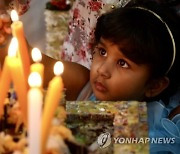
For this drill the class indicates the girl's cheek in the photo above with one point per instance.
(95, 65)
(94, 68)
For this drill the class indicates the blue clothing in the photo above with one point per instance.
(159, 124)
(92, 98)
(161, 127)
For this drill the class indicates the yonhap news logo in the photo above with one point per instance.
(144, 140)
(104, 140)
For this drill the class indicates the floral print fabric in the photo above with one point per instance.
(78, 44)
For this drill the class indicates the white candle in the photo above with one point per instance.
(35, 101)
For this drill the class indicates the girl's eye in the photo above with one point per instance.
(122, 63)
(102, 52)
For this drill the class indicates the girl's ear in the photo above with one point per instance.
(157, 86)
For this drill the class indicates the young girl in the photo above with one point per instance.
(136, 57)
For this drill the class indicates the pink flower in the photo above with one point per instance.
(76, 13)
(82, 54)
(95, 5)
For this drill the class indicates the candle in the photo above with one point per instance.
(16, 72)
(0, 70)
(54, 94)
(18, 32)
(6, 75)
(4, 83)
(35, 101)
(37, 66)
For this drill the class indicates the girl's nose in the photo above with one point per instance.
(104, 70)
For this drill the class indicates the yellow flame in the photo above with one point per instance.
(14, 15)
(58, 68)
(34, 80)
(36, 55)
(13, 47)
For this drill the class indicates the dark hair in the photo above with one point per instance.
(144, 39)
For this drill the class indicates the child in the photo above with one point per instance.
(136, 57)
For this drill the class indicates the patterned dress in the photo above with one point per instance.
(78, 44)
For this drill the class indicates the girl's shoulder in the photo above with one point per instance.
(85, 93)
(161, 126)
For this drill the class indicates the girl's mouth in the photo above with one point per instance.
(100, 87)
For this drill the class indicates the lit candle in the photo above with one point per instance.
(53, 97)
(37, 66)
(35, 101)
(18, 32)
(4, 83)
(0, 70)
(16, 71)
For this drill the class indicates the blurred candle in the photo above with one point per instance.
(52, 99)
(19, 83)
(5, 80)
(35, 101)
(37, 66)
(18, 32)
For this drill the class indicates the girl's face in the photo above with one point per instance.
(114, 77)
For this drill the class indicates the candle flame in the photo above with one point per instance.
(34, 80)
(14, 15)
(58, 68)
(36, 55)
(13, 47)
